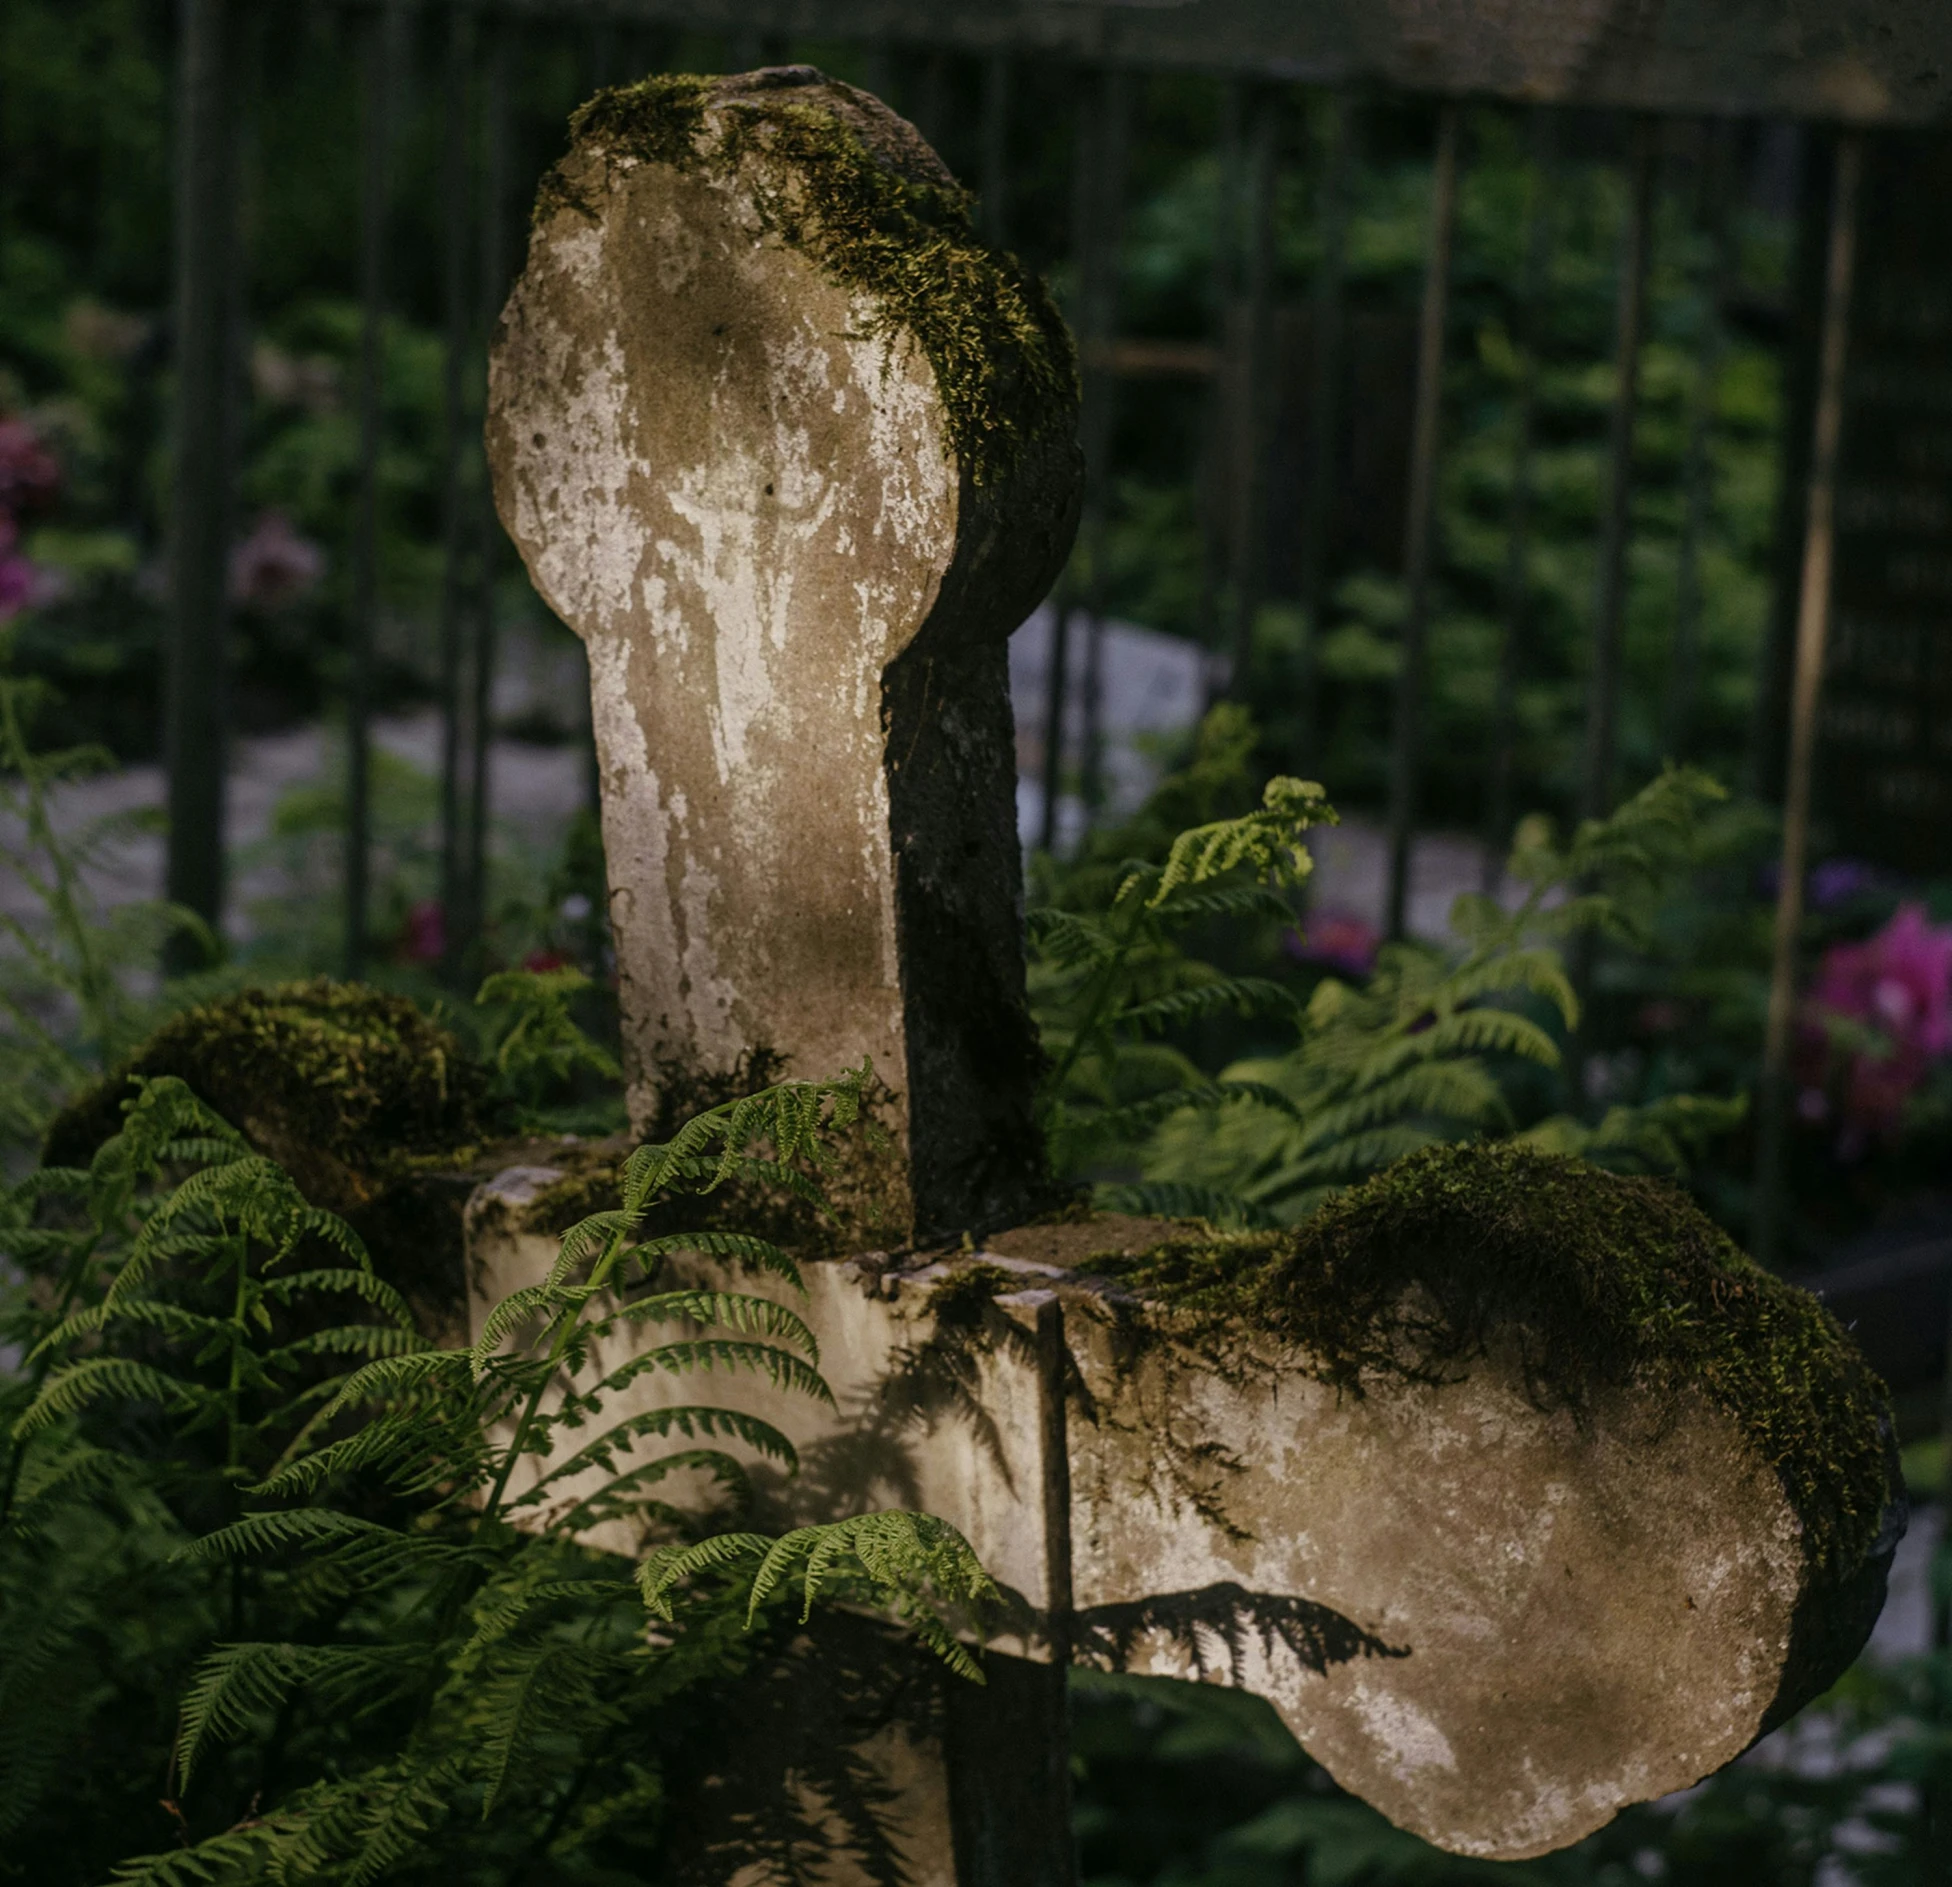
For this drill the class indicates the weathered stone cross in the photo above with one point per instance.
(793, 456)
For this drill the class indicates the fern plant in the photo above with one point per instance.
(414, 1662)
(1422, 1051)
(539, 1043)
(67, 1005)
(1110, 975)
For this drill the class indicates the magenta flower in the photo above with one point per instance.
(1336, 940)
(30, 475)
(274, 565)
(425, 938)
(1898, 983)
(23, 583)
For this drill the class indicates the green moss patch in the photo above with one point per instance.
(837, 176)
(1598, 1279)
(342, 1084)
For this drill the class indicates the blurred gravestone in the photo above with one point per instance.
(1516, 1490)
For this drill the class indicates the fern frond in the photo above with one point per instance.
(551, 1687)
(500, 1618)
(281, 1527)
(659, 1574)
(691, 1421)
(387, 1376)
(781, 1368)
(534, 1303)
(729, 1310)
(108, 1379)
(237, 1683)
(622, 1495)
(760, 1253)
(289, 1286)
(1244, 995)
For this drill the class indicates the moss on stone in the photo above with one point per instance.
(1598, 1280)
(863, 1182)
(342, 1084)
(838, 176)
(365, 1102)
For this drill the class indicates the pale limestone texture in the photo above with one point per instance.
(737, 486)
(1495, 1625)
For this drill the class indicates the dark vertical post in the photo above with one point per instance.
(458, 316)
(1812, 633)
(1698, 471)
(1098, 245)
(1056, 686)
(493, 259)
(1802, 344)
(1253, 374)
(1327, 325)
(995, 207)
(381, 51)
(1420, 519)
(1097, 192)
(1008, 1741)
(1529, 324)
(203, 457)
(932, 99)
(1616, 525)
(1215, 508)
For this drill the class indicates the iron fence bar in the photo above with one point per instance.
(493, 258)
(459, 313)
(1517, 584)
(1812, 634)
(1327, 301)
(1616, 529)
(1801, 348)
(382, 45)
(1211, 472)
(1098, 258)
(1094, 156)
(994, 206)
(1250, 432)
(1698, 472)
(1419, 527)
(203, 455)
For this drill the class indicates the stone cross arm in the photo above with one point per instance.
(1507, 1548)
(1497, 1615)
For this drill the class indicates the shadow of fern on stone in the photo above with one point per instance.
(808, 1761)
(1213, 1627)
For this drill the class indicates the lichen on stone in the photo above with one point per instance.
(1591, 1279)
(836, 175)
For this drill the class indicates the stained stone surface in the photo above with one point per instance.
(1496, 1624)
(733, 475)
(760, 481)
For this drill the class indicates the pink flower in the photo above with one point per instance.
(1336, 940)
(540, 961)
(30, 475)
(23, 583)
(1899, 983)
(425, 938)
(274, 565)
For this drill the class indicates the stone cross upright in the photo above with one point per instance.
(792, 455)
(794, 492)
